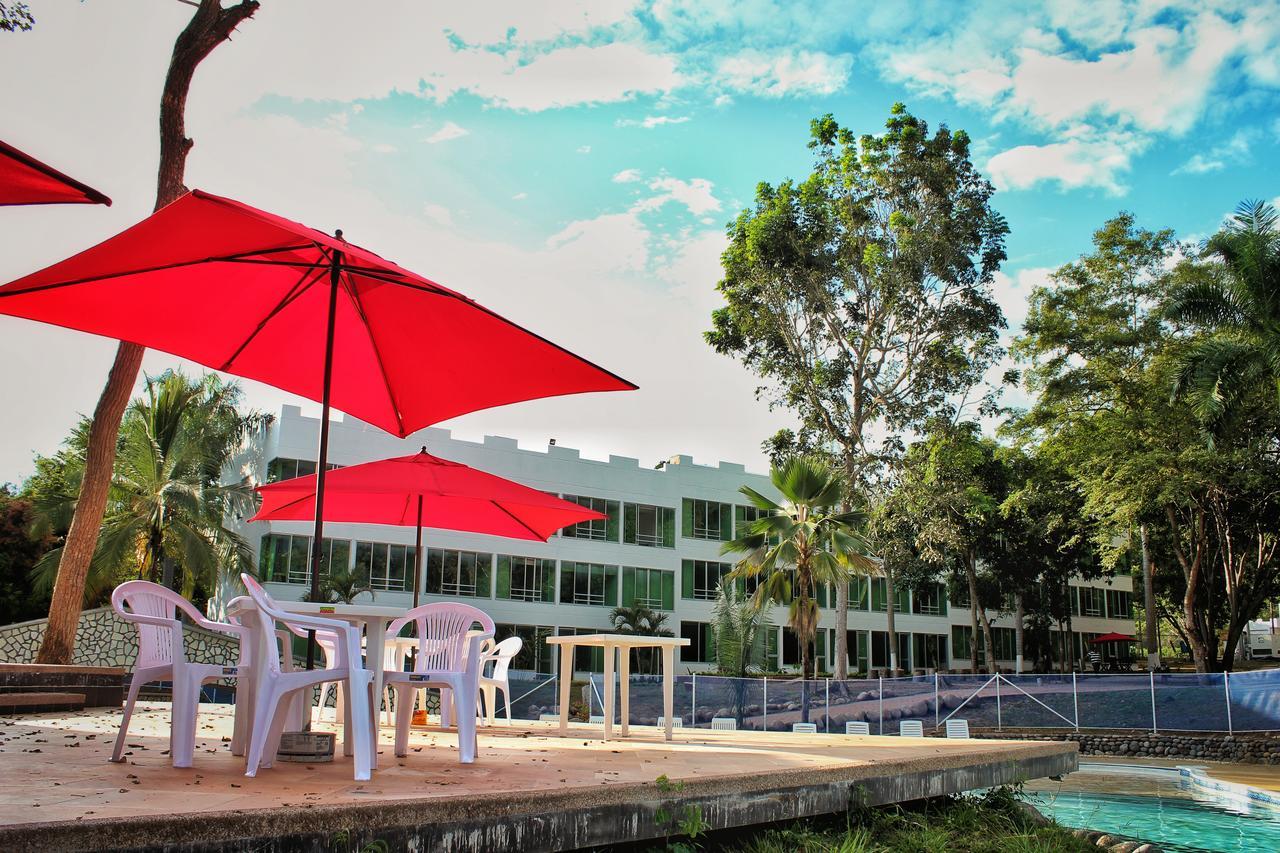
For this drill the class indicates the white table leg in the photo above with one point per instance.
(566, 678)
(624, 687)
(608, 691)
(375, 653)
(668, 685)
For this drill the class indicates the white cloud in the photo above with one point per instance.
(583, 149)
(695, 194)
(438, 214)
(1012, 292)
(1078, 161)
(384, 148)
(650, 122)
(1232, 151)
(784, 72)
(519, 196)
(627, 176)
(450, 130)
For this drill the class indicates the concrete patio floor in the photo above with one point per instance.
(528, 790)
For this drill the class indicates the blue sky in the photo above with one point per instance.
(573, 164)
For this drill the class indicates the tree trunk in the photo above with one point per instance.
(890, 599)
(1150, 637)
(209, 26)
(979, 615)
(973, 620)
(841, 670)
(1191, 570)
(1018, 616)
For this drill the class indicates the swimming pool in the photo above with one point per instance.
(1157, 805)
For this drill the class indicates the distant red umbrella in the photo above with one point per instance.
(1114, 638)
(252, 294)
(424, 491)
(25, 180)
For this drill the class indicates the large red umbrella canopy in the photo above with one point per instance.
(453, 497)
(423, 491)
(1113, 638)
(248, 293)
(25, 180)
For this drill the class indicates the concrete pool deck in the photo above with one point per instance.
(528, 790)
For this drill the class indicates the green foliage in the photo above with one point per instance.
(20, 547)
(799, 543)
(641, 621)
(15, 17)
(343, 585)
(739, 623)
(167, 500)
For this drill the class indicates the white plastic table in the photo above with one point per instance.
(620, 644)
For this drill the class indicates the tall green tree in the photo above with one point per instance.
(167, 508)
(861, 295)
(1233, 292)
(20, 546)
(210, 25)
(799, 543)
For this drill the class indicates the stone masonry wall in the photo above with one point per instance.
(1244, 749)
(104, 639)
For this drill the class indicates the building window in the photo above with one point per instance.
(702, 643)
(930, 600)
(588, 583)
(388, 567)
(534, 655)
(651, 526)
(1119, 604)
(1088, 601)
(707, 520)
(791, 649)
(700, 579)
(585, 658)
(859, 594)
(653, 588)
(880, 593)
(880, 650)
(929, 651)
(461, 573)
(600, 529)
(1006, 642)
(287, 559)
(286, 469)
(526, 578)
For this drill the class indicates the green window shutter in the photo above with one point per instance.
(902, 600)
(484, 576)
(771, 649)
(942, 599)
(822, 595)
(686, 518)
(820, 644)
(610, 588)
(611, 526)
(739, 520)
(265, 560)
(668, 527)
(686, 578)
(668, 590)
(629, 523)
(726, 522)
(878, 594)
(504, 577)
(566, 582)
(628, 586)
(548, 579)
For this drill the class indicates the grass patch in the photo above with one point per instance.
(992, 823)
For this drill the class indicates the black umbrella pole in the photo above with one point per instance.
(322, 462)
(417, 555)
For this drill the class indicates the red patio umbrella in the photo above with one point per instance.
(25, 180)
(252, 294)
(424, 491)
(1113, 638)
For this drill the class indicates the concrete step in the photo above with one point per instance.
(31, 703)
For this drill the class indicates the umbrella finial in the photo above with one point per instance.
(424, 448)
(338, 234)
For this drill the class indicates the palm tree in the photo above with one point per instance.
(800, 543)
(738, 623)
(343, 585)
(640, 621)
(1236, 298)
(167, 508)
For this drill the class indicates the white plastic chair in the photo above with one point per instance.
(676, 722)
(500, 657)
(448, 657)
(595, 720)
(910, 728)
(724, 724)
(161, 657)
(958, 729)
(856, 728)
(548, 718)
(804, 728)
(274, 686)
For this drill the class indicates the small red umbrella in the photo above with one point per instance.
(1114, 638)
(252, 294)
(424, 491)
(25, 180)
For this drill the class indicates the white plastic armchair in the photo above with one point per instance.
(274, 685)
(448, 657)
(500, 657)
(154, 610)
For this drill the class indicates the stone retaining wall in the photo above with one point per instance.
(104, 639)
(1242, 749)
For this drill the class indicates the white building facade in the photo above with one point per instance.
(660, 548)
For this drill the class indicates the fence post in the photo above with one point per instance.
(765, 706)
(693, 702)
(935, 699)
(1226, 688)
(1075, 701)
(828, 686)
(881, 693)
(1152, 673)
(999, 719)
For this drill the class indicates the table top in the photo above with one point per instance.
(628, 640)
(360, 610)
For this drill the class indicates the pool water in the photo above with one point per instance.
(1158, 807)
